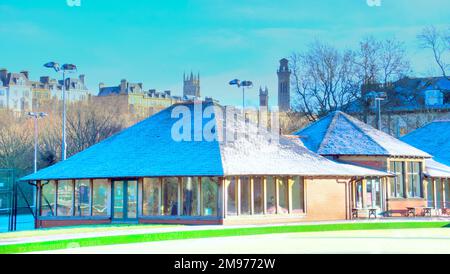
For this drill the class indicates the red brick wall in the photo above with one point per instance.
(57, 223)
(398, 206)
(181, 221)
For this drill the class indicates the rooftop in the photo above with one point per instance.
(148, 149)
(341, 134)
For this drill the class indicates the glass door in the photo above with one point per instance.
(374, 195)
(125, 195)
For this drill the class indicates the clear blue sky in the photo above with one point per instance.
(154, 42)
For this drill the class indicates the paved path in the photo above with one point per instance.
(374, 241)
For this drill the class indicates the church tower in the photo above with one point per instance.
(263, 97)
(191, 85)
(284, 86)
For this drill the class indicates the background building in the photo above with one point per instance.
(20, 94)
(263, 97)
(284, 86)
(191, 86)
(133, 97)
(410, 104)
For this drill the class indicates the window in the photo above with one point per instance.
(359, 195)
(101, 198)
(245, 196)
(48, 199)
(271, 196)
(210, 188)
(151, 197)
(430, 193)
(65, 198)
(415, 179)
(397, 183)
(170, 196)
(258, 195)
(82, 197)
(373, 191)
(447, 192)
(298, 194)
(190, 196)
(439, 191)
(231, 197)
(283, 201)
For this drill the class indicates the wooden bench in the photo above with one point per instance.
(371, 212)
(402, 212)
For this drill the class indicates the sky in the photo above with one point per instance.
(155, 42)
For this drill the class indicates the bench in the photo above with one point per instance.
(371, 212)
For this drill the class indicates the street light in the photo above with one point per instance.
(381, 96)
(36, 116)
(64, 68)
(243, 84)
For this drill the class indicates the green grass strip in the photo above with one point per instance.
(195, 234)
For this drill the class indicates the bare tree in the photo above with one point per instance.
(323, 79)
(439, 43)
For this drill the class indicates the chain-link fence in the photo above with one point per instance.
(16, 203)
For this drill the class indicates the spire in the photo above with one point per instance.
(192, 76)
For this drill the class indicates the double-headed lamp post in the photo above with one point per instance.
(64, 68)
(36, 116)
(243, 84)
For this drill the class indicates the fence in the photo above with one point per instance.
(16, 203)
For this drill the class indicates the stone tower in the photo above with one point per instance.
(191, 85)
(284, 86)
(263, 97)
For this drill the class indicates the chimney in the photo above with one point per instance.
(26, 73)
(44, 79)
(3, 74)
(167, 92)
(82, 77)
(123, 85)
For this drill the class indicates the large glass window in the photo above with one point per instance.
(48, 199)
(210, 194)
(231, 196)
(373, 190)
(245, 195)
(190, 196)
(283, 201)
(298, 194)
(271, 202)
(151, 197)
(82, 197)
(439, 192)
(415, 182)
(430, 193)
(359, 195)
(258, 195)
(447, 193)
(65, 198)
(170, 196)
(101, 198)
(397, 183)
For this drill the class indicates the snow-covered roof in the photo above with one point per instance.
(436, 169)
(147, 149)
(341, 134)
(434, 138)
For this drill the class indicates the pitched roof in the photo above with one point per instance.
(341, 134)
(148, 149)
(432, 138)
(436, 169)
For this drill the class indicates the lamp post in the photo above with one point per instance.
(381, 96)
(36, 116)
(242, 84)
(64, 68)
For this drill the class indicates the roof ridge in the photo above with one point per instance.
(327, 132)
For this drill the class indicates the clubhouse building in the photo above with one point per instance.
(176, 167)
(410, 191)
